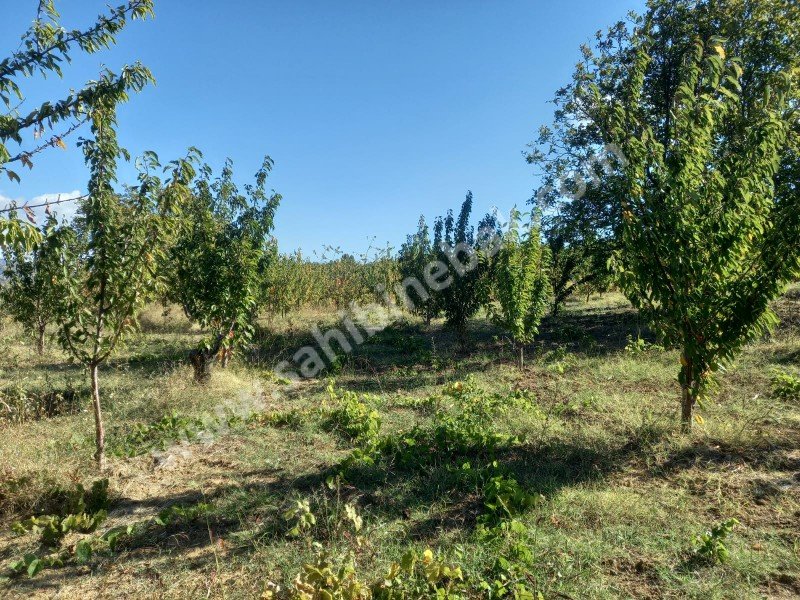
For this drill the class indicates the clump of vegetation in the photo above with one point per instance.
(80, 511)
(504, 501)
(711, 544)
(638, 346)
(463, 281)
(170, 429)
(221, 248)
(520, 284)
(414, 576)
(465, 429)
(178, 513)
(786, 386)
(352, 418)
(18, 405)
(293, 418)
(414, 260)
(30, 294)
(299, 517)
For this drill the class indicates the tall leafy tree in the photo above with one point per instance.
(110, 265)
(414, 257)
(583, 219)
(521, 286)
(706, 241)
(44, 49)
(219, 258)
(30, 293)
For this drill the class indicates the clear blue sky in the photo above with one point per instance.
(374, 111)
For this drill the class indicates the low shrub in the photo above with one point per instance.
(18, 405)
(786, 386)
(144, 438)
(352, 418)
(711, 544)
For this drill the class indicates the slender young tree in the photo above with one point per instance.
(45, 48)
(31, 291)
(110, 267)
(521, 284)
(706, 244)
(219, 258)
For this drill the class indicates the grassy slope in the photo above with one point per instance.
(623, 492)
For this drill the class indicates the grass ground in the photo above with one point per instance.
(605, 496)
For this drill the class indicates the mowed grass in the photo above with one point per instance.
(620, 492)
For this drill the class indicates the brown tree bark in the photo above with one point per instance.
(687, 394)
(99, 429)
(202, 358)
(40, 338)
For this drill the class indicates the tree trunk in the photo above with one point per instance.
(462, 337)
(99, 430)
(201, 363)
(203, 357)
(687, 404)
(521, 357)
(40, 338)
(226, 357)
(687, 394)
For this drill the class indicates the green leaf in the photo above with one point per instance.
(83, 551)
(34, 567)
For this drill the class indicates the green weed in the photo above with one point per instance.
(711, 544)
(786, 386)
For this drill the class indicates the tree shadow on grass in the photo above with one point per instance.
(153, 361)
(596, 331)
(773, 455)
(787, 357)
(445, 493)
(437, 495)
(408, 355)
(404, 356)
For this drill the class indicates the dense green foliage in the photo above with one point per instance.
(220, 252)
(459, 248)
(44, 49)
(31, 291)
(413, 259)
(583, 223)
(705, 245)
(336, 279)
(520, 283)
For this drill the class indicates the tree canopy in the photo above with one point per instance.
(44, 49)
